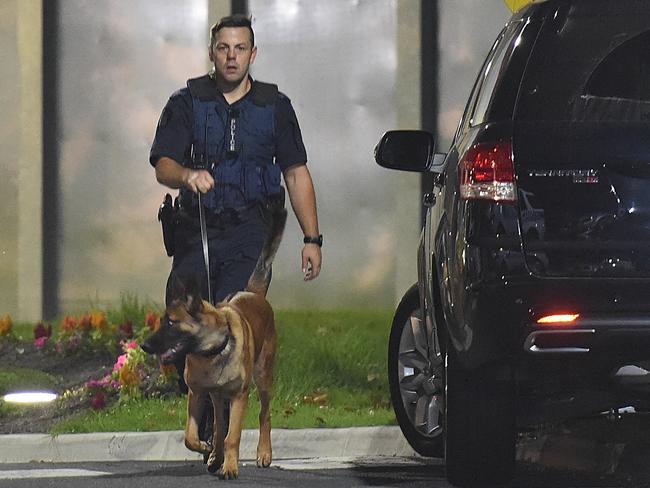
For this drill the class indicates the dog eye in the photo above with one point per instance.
(172, 323)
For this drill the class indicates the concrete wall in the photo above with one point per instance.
(352, 70)
(119, 62)
(467, 30)
(350, 80)
(21, 163)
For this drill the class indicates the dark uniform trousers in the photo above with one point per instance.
(235, 240)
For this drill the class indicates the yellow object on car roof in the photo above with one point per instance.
(515, 5)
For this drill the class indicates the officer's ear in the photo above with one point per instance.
(253, 54)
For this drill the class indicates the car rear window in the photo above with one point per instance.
(591, 63)
(491, 71)
(625, 72)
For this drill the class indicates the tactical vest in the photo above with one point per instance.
(236, 143)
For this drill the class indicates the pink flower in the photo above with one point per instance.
(40, 342)
(94, 384)
(121, 360)
(131, 345)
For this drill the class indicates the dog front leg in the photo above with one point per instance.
(195, 406)
(263, 374)
(264, 452)
(218, 434)
(230, 468)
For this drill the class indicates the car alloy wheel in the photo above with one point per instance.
(416, 377)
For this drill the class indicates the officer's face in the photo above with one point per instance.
(232, 53)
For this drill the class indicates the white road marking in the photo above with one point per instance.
(346, 462)
(16, 474)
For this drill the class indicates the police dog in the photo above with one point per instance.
(227, 346)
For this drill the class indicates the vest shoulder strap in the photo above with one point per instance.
(202, 88)
(264, 93)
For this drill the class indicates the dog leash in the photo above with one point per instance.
(204, 242)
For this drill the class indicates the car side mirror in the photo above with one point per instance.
(406, 150)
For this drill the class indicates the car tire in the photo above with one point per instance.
(480, 430)
(416, 388)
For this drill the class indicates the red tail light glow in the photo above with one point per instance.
(558, 319)
(487, 173)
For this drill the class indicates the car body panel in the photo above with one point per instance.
(577, 238)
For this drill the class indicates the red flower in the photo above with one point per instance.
(126, 328)
(98, 401)
(69, 323)
(41, 331)
(85, 322)
(152, 320)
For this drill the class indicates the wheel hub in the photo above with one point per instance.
(420, 375)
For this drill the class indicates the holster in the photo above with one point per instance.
(168, 217)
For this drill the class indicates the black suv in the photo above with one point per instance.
(533, 295)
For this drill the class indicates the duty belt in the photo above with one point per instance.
(225, 218)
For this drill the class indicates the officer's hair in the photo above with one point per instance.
(235, 20)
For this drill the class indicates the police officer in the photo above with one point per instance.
(225, 140)
(245, 134)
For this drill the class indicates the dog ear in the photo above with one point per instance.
(177, 288)
(193, 300)
(187, 292)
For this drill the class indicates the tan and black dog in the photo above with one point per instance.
(227, 346)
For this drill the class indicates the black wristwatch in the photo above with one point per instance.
(314, 240)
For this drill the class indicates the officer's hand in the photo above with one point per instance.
(198, 180)
(311, 261)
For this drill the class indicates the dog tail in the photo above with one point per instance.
(261, 278)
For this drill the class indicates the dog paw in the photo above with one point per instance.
(214, 462)
(228, 472)
(205, 447)
(264, 460)
(198, 446)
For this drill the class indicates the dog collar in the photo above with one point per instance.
(215, 351)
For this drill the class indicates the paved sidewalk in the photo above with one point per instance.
(168, 446)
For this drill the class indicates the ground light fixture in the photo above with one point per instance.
(30, 397)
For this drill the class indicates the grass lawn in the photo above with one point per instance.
(330, 372)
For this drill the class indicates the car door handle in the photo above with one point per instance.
(429, 199)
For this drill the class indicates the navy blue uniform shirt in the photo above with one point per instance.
(173, 137)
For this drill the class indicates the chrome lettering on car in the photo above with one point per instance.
(577, 175)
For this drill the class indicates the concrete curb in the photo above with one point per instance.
(168, 445)
(386, 444)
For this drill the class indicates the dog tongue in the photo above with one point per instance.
(168, 356)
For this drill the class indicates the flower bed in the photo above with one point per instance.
(69, 346)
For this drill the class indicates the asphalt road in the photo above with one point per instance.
(590, 453)
(322, 473)
(175, 474)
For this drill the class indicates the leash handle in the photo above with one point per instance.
(204, 242)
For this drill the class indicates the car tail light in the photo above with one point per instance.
(558, 319)
(487, 173)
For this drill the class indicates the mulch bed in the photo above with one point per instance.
(70, 372)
